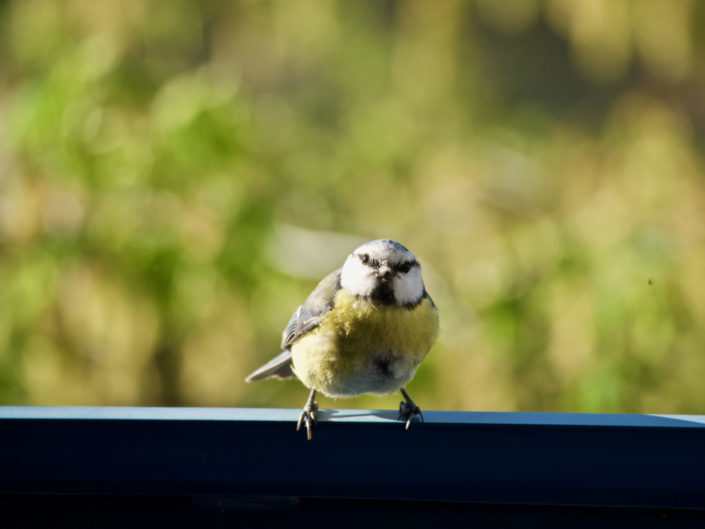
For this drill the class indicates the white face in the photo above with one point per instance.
(383, 271)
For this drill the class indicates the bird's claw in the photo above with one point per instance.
(408, 410)
(308, 417)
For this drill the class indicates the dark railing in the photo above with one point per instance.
(181, 464)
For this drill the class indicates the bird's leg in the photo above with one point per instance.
(308, 414)
(408, 410)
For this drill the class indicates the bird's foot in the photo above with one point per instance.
(308, 415)
(408, 410)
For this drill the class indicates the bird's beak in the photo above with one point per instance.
(385, 272)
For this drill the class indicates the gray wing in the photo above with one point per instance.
(311, 312)
(306, 318)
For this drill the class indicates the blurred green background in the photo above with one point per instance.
(176, 176)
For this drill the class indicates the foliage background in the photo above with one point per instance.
(175, 177)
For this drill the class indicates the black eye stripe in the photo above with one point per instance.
(366, 260)
(402, 267)
(406, 266)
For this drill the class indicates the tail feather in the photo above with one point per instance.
(279, 367)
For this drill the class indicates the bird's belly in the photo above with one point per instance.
(360, 348)
(341, 373)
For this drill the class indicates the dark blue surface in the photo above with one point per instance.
(506, 458)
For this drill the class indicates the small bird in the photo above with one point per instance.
(365, 328)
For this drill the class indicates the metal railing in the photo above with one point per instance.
(556, 459)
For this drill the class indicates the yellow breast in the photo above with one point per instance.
(360, 347)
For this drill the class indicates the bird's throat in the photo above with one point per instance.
(383, 294)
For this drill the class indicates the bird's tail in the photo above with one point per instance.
(279, 367)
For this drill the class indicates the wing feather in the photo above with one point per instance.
(306, 318)
(309, 315)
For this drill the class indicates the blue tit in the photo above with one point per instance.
(365, 328)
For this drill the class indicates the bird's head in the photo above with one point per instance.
(385, 272)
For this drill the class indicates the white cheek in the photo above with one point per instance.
(357, 278)
(408, 288)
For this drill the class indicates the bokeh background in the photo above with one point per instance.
(176, 176)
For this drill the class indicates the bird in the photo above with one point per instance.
(364, 329)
